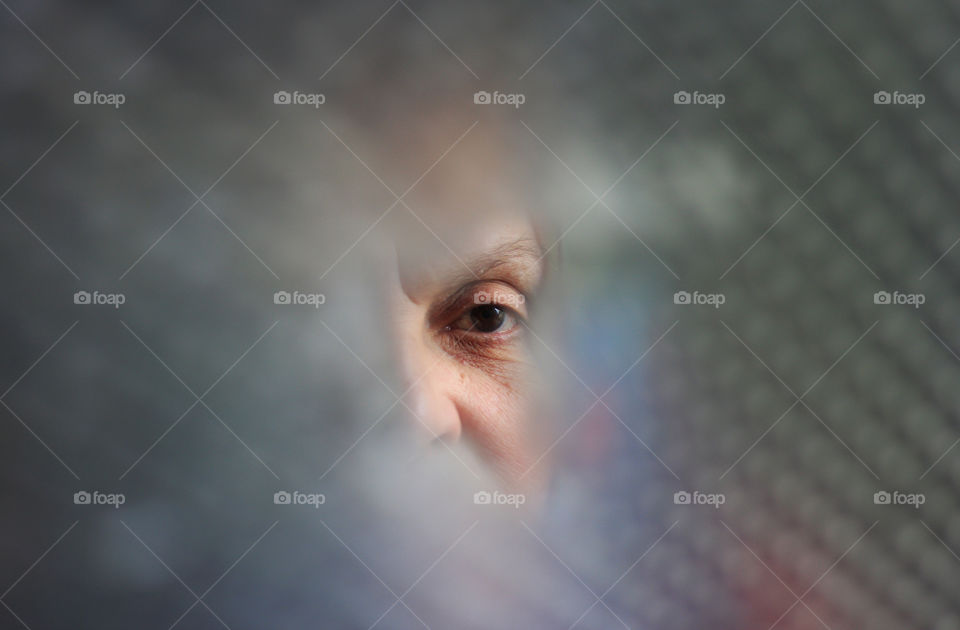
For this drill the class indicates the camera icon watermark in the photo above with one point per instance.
(914, 500)
(485, 497)
(498, 98)
(282, 97)
(714, 100)
(297, 298)
(915, 99)
(897, 298)
(82, 97)
(84, 298)
(716, 300)
(96, 497)
(314, 500)
(683, 497)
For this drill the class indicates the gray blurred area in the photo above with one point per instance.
(804, 200)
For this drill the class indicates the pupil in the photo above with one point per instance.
(487, 318)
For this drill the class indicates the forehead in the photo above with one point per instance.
(469, 213)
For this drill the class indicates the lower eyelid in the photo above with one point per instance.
(483, 353)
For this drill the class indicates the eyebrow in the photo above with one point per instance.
(518, 258)
(505, 254)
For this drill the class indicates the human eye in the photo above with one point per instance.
(486, 319)
(484, 315)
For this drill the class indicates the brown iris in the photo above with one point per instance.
(487, 318)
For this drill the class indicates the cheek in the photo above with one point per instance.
(494, 415)
(490, 399)
(493, 389)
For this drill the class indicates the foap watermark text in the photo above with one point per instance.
(898, 298)
(682, 497)
(82, 97)
(485, 497)
(499, 297)
(498, 98)
(714, 100)
(716, 300)
(312, 499)
(914, 500)
(282, 97)
(96, 497)
(899, 98)
(96, 298)
(299, 298)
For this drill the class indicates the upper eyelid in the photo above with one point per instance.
(445, 305)
(513, 263)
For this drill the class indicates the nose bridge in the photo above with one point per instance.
(428, 395)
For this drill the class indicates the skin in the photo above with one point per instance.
(464, 230)
(461, 325)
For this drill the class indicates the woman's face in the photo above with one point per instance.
(461, 301)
